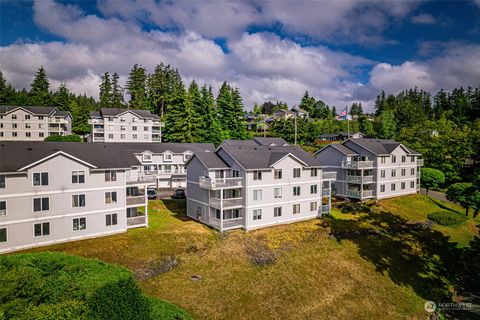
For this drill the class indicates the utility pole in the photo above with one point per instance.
(295, 129)
(348, 124)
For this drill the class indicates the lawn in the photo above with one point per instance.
(330, 268)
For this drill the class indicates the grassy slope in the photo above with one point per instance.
(314, 275)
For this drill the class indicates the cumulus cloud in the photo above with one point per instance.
(423, 19)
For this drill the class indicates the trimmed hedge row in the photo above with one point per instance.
(59, 286)
(446, 218)
(67, 138)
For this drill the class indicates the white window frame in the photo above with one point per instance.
(277, 193)
(42, 229)
(313, 206)
(41, 204)
(299, 170)
(277, 174)
(295, 192)
(295, 207)
(382, 188)
(167, 157)
(257, 214)
(6, 234)
(257, 175)
(40, 179)
(78, 174)
(79, 224)
(111, 174)
(257, 195)
(313, 189)
(277, 212)
(3, 184)
(393, 187)
(78, 197)
(111, 215)
(3, 212)
(111, 193)
(314, 172)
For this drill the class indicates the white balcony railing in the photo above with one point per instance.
(227, 223)
(329, 175)
(418, 174)
(359, 194)
(357, 164)
(420, 162)
(209, 183)
(360, 179)
(136, 200)
(325, 208)
(136, 221)
(141, 178)
(326, 192)
(227, 203)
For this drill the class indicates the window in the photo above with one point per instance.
(41, 204)
(110, 119)
(257, 195)
(403, 172)
(296, 172)
(145, 128)
(111, 219)
(27, 117)
(3, 208)
(394, 173)
(110, 175)
(14, 117)
(296, 208)
(412, 171)
(168, 168)
(277, 211)
(40, 179)
(404, 158)
(122, 136)
(146, 157)
(122, 128)
(40, 117)
(412, 158)
(392, 187)
(313, 206)
(277, 193)
(187, 156)
(382, 188)
(134, 128)
(313, 189)
(167, 157)
(235, 173)
(145, 136)
(78, 176)
(122, 119)
(412, 184)
(27, 126)
(14, 134)
(40, 126)
(134, 137)
(78, 200)
(394, 158)
(41, 134)
(134, 119)
(110, 136)
(257, 214)
(383, 159)
(314, 172)
(110, 197)
(1, 134)
(41, 229)
(3, 183)
(28, 134)
(402, 186)
(277, 174)
(79, 224)
(382, 173)
(296, 191)
(1, 125)
(257, 175)
(3, 235)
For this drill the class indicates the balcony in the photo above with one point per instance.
(136, 200)
(357, 164)
(418, 174)
(212, 184)
(326, 192)
(57, 120)
(138, 221)
(359, 194)
(227, 223)
(329, 175)
(141, 179)
(227, 203)
(420, 162)
(360, 179)
(325, 208)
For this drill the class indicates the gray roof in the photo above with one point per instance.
(379, 146)
(211, 160)
(95, 114)
(343, 149)
(270, 141)
(412, 152)
(15, 155)
(343, 133)
(239, 142)
(61, 113)
(263, 157)
(42, 111)
(113, 112)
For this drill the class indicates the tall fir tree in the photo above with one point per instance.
(7, 92)
(230, 111)
(137, 88)
(117, 92)
(210, 128)
(62, 98)
(39, 89)
(106, 91)
(238, 129)
(307, 103)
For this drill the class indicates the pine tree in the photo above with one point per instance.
(224, 101)
(62, 98)
(334, 112)
(137, 87)
(39, 89)
(238, 128)
(106, 91)
(307, 103)
(210, 128)
(356, 109)
(387, 127)
(117, 93)
(7, 92)
(80, 109)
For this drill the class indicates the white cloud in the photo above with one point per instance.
(423, 19)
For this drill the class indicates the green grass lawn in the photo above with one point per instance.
(310, 274)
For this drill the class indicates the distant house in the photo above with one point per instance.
(299, 112)
(340, 136)
(283, 114)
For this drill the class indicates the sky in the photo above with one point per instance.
(341, 51)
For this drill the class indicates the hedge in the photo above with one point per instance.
(59, 286)
(68, 138)
(446, 218)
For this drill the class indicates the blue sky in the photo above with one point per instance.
(340, 51)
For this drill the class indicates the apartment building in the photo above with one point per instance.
(19, 123)
(372, 168)
(124, 125)
(250, 186)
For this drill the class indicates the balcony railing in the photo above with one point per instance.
(137, 221)
(136, 200)
(357, 164)
(359, 194)
(360, 179)
(329, 175)
(325, 208)
(420, 162)
(325, 192)
(227, 203)
(209, 183)
(418, 174)
(141, 178)
(227, 223)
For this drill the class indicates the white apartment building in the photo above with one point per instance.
(250, 186)
(125, 125)
(19, 123)
(372, 168)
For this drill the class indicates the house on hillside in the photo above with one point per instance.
(372, 168)
(249, 185)
(341, 136)
(125, 125)
(20, 123)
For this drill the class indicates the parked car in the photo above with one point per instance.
(179, 194)
(152, 194)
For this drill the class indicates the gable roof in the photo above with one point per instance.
(238, 142)
(270, 141)
(339, 147)
(210, 160)
(380, 146)
(35, 110)
(115, 112)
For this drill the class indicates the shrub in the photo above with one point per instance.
(446, 218)
(162, 310)
(69, 138)
(58, 286)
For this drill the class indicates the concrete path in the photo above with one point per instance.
(435, 194)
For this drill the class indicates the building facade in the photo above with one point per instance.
(372, 168)
(33, 123)
(254, 186)
(124, 125)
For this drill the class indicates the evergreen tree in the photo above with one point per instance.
(7, 92)
(238, 129)
(106, 91)
(230, 110)
(39, 89)
(117, 93)
(210, 128)
(387, 126)
(356, 109)
(80, 109)
(224, 102)
(137, 87)
(62, 98)
(334, 112)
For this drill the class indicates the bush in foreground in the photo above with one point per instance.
(446, 218)
(68, 138)
(58, 286)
